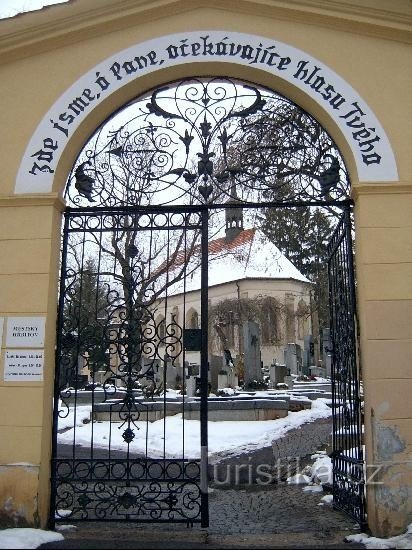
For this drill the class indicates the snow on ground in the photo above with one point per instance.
(401, 541)
(319, 473)
(167, 435)
(223, 436)
(33, 538)
(327, 499)
(315, 475)
(27, 538)
(321, 469)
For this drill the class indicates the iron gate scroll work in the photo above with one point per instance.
(347, 454)
(145, 195)
(113, 323)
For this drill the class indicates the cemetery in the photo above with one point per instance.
(132, 127)
(226, 402)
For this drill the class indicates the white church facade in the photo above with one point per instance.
(249, 281)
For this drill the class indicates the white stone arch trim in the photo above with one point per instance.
(365, 136)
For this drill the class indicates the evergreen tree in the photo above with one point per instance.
(84, 319)
(302, 234)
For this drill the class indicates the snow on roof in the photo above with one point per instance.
(250, 255)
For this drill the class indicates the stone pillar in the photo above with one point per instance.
(222, 380)
(290, 358)
(384, 274)
(171, 373)
(216, 364)
(30, 242)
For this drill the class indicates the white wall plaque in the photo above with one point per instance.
(23, 365)
(25, 332)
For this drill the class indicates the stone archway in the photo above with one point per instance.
(143, 197)
(378, 206)
(363, 133)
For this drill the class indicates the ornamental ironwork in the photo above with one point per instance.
(347, 453)
(117, 348)
(189, 142)
(141, 197)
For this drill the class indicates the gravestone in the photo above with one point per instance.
(222, 380)
(327, 351)
(171, 372)
(277, 374)
(193, 369)
(191, 386)
(215, 365)
(289, 381)
(293, 358)
(251, 346)
(318, 371)
(308, 353)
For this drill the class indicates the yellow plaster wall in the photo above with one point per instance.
(29, 251)
(19, 495)
(384, 271)
(37, 66)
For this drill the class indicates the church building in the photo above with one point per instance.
(250, 282)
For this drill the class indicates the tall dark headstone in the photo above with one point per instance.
(308, 353)
(251, 347)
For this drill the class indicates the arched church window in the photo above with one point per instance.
(161, 328)
(269, 322)
(193, 321)
(302, 314)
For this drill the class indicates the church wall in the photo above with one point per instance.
(281, 289)
(42, 55)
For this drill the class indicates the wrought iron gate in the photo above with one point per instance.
(347, 454)
(118, 324)
(178, 154)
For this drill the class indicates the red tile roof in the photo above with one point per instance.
(216, 248)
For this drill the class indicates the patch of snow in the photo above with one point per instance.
(27, 538)
(352, 429)
(327, 499)
(225, 436)
(228, 391)
(63, 513)
(321, 470)
(401, 541)
(298, 479)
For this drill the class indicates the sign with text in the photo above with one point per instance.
(364, 134)
(23, 365)
(25, 332)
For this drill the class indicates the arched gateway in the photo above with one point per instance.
(144, 198)
(182, 152)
